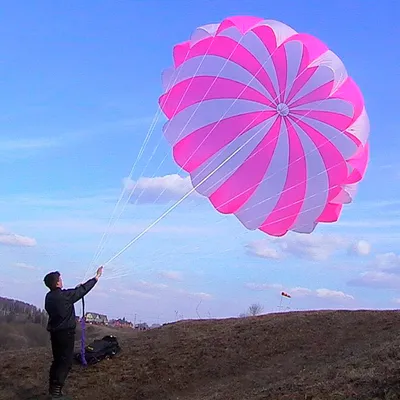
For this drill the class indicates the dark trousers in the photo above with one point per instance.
(62, 344)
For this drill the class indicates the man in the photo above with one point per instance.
(59, 304)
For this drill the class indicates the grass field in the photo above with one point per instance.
(322, 355)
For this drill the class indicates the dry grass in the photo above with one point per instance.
(327, 355)
(21, 335)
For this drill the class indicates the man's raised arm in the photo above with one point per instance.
(74, 295)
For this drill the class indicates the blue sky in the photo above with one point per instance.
(79, 90)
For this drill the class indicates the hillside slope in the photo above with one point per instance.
(304, 355)
(28, 335)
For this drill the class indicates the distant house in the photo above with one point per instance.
(94, 318)
(121, 323)
(154, 326)
(142, 326)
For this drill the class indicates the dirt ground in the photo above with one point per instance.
(319, 355)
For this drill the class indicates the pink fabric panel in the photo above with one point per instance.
(198, 147)
(235, 191)
(203, 88)
(285, 213)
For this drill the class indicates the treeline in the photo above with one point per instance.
(18, 311)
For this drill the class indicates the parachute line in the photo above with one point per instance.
(162, 256)
(161, 138)
(150, 131)
(112, 221)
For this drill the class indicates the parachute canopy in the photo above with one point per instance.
(267, 123)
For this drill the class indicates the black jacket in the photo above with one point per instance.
(59, 304)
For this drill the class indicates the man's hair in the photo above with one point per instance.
(51, 280)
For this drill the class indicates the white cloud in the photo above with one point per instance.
(23, 144)
(100, 292)
(370, 223)
(150, 285)
(261, 249)
(85, 202)
(171, 275)
(379, 203)
(25, 266)
(12, 148)
(383, 273)
(196, 295)
(301, 292)
(133, 293)
(360, 248)
(91, 225)
(376, 279)
(333, 294)
(149, 290)
(387, 261)
(11, 239)
(175, 276)
(315, 247)
(161, 189)
(263, 286)
(298, 292)
(201, 295)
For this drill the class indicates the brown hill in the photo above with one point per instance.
(26, 336)
(12, 310)
(302, 355)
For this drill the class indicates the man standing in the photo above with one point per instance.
(59, 304)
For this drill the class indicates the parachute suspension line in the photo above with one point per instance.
(163, 255)
(100, 246)
(171, 84)
(149, 227)
(150, 131)
(199, 104)
(178, 202)
(218, 252)
(192, 115)
(112, 221)
(240, 235)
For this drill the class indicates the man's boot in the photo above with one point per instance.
(56, 393)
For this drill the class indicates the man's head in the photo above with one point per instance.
(53, 280)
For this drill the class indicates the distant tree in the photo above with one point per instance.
(10, 317)
(37, 319)
(243, 315)
(15, 310)
(255, 309)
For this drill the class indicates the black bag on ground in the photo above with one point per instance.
(99, 349)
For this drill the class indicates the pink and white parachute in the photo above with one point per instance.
(267, 123)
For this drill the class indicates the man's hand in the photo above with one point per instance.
(99, 272)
